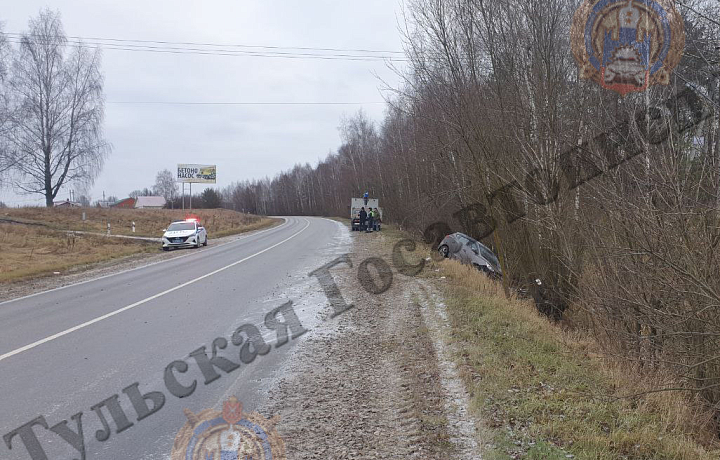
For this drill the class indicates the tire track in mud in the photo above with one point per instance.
(367, 384)
(462, 427)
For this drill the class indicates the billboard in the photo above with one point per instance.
(203, 174)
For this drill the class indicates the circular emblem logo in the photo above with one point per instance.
(228, 435)
(627, 45)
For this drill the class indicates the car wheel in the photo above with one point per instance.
(444, 250)
(205, 242)
(165, 248)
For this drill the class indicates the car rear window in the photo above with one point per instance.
(180, 226)
(462, 238)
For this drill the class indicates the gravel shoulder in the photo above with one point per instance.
(81, 273)
(378, 380)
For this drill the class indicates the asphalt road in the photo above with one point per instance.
(65, 350)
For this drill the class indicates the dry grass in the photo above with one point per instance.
(148, 222)
(41, 246)
(548, 393)
(29, 251)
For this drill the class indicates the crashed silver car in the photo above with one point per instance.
(469, 251)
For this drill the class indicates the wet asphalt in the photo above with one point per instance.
(64, 351)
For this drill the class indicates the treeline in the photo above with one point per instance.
(612, 202)
(208, 199)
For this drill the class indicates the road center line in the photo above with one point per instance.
(171, 259)
(141, 302)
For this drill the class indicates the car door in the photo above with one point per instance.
(476, 256)
(465, 253)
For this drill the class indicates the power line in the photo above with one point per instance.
(240, 103)
(162, 42)
(234, 54)
(337, 54)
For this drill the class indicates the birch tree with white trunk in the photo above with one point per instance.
(56, 111)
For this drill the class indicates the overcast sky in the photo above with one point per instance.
(244, 141)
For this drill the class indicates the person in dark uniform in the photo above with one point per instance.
(363, 218)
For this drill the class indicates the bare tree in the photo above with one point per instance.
(141, 192)
(84, 200)
(57, 111)
(4, 56)
(166, 185)
(492, 98)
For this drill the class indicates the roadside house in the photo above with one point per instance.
(67, 204)
(150, 202)
(127, 203)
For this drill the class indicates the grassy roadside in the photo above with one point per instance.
(545, 394)
(31, 251)
(40, 245)
(542, 392)
(148, 222)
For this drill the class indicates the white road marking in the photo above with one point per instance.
(204, 251)
(141, 302)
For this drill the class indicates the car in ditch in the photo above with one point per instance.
(187, 233)
(469, 251)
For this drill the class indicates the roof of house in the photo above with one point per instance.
(150, 202)
(69, 203)
(124, 200)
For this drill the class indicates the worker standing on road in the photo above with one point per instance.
(363, 218)
(376, 219)
(370, 218)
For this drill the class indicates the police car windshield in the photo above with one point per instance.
(181, 226)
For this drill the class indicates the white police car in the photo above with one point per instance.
(183, 234)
